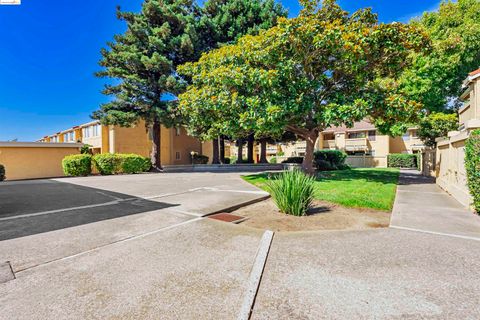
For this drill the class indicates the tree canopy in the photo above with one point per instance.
(436, 125)
(325, 67)
(163, 35)
(435, 79)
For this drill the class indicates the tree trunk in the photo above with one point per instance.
(250, 143)
(222, 149)
(155, 151)
(240, 150)
(215, 159)
(307, 164)
(263, 151)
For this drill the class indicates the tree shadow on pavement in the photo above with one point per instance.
(32, 207)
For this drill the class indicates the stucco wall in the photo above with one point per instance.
(183, 144)
(132, 140)
(367, 161)
(450, 170)
(35, 160)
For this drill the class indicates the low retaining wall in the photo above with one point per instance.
(366, 161)
(223, 167)
(33, 160)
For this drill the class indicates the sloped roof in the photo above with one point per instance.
(358, 126)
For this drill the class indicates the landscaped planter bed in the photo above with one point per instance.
(322, 216)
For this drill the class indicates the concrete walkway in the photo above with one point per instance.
(169, 263)
(420, 205)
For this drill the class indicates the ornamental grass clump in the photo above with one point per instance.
(292, 192)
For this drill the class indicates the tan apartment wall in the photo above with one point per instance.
(366, 161)
(450, 169)
(397, 145)
(184, 145)
(35, 160)
(132, 140)
(381, 145)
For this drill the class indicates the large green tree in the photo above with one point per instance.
(163, 35)
(143, 60)
(325, 67)
(436, 78)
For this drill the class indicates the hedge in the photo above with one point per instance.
(77, 165)
(472, 166)
(325, 160)
(293, 160)
(402, 160)
(2, 172)
(107, 163)
(133, 163)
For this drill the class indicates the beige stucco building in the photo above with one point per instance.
(363, 143)
(176, 145)
(449, 166)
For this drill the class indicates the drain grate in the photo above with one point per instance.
(227, 217)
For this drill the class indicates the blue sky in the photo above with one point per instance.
(50, 49)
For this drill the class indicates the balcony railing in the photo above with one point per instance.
(301, 146)
(358, 144)
(329, 144)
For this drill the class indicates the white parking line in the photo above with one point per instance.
(437, 233)
(111, 243)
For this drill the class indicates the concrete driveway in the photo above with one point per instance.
(138, 247)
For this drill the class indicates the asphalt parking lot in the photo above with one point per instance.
(139, 247)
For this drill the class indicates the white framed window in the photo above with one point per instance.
(86, 132)
(72, 136)
(65, 137)
(177, 155)
(96, 130)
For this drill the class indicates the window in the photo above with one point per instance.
(65, 137)
(96, 130)
(177, 131)
(85, 132)
(177, 155)
(406, 136)
(414, 134)
(356, 135)
(72, 136)
(372, 135)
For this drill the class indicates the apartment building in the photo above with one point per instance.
(363, 143)
(176, 145)
(449, 167)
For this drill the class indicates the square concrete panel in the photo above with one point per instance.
(194, 271)
(380, 274)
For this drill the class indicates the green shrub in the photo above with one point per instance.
(293, 160)
(133, 163)
(2, 172)
(107, 163)
(292, 192)
(402, 160)
(77, 165)
(472, 166)
(273, 160)
(326, 160)
(85, 149)
(200, 159)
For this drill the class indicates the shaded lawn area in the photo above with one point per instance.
(356, 188)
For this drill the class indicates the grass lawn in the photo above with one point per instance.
(356, 188)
